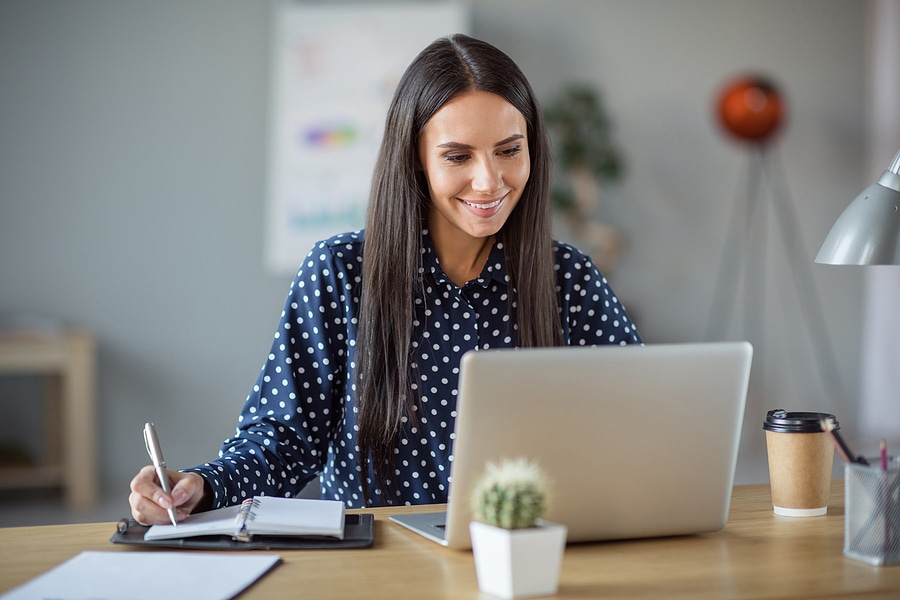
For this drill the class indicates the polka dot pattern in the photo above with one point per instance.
(299, 420)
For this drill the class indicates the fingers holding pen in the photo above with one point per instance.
(150, 503)
(147, 498)
(145, 489)
(187, 491)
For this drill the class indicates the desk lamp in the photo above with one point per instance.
(868, 231)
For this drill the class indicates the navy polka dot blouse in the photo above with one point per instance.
(299, 420)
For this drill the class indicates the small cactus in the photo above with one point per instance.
(511, 494)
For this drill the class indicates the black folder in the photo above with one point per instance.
(359, 532)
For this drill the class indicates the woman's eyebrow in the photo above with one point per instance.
(512, 138)
(461, 146)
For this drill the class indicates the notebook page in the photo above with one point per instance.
(213, 522)
(298, 516)
(268, 515)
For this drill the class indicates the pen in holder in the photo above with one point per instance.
(872, 513)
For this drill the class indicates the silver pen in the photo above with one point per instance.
(159, 463)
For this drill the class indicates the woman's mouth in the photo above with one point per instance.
(484, 209)
(484, 205)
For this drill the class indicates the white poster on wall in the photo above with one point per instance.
(335, 69)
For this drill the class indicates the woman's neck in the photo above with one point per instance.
(462, 258)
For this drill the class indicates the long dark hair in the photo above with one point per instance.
(397, 213)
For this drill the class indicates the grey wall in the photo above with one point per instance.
(132, 174)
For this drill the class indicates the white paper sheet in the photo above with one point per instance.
(147, 576)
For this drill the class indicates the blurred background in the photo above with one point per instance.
(133, 170)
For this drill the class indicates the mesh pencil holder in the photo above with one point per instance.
(872, 513)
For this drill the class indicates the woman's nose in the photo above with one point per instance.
(487, 177)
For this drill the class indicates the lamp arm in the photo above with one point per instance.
(893, 170)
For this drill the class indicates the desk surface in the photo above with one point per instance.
(757, 555)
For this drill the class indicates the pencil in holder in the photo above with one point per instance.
(872, 513)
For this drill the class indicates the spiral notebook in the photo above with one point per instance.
(262, 515)
(359, 533)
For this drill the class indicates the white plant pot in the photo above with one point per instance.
(515, 563)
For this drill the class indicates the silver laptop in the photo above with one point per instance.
(638, 441)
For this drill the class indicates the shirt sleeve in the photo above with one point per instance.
(592, 313)
(287, 420)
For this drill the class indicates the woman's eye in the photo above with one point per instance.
(456, 158)
(510, 152)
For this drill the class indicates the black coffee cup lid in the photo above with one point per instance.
(782, 421)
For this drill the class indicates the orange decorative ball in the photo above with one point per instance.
(751, 108)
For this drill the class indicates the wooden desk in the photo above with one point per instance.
(67, 362)
(758, 555)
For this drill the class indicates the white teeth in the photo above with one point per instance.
(484, 206)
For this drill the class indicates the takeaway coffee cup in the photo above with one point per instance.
(800, 461)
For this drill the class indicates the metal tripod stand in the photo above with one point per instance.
(738, 256)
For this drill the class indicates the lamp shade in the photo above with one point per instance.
(868, 231)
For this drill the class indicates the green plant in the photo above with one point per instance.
(511, 494)
(581, 131)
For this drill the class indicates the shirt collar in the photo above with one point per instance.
(494, 269)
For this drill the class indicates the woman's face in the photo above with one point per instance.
(474, 151)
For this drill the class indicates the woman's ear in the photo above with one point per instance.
(417, 155)
(422, 179)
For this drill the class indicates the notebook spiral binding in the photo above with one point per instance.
(245, 514)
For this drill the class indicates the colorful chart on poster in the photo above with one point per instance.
(334, 70)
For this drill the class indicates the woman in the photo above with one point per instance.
(359, 387)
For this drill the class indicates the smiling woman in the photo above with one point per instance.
(474, 152)
(359, 388)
